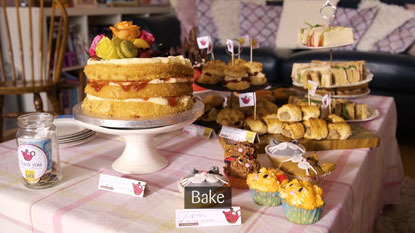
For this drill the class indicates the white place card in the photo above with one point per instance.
(122, 185)
(200, 131)
(239, 135)
(208, 217)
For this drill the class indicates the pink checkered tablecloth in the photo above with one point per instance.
(364, 181)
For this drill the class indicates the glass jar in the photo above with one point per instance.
(37, 150)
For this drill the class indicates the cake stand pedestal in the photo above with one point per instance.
(140, 155)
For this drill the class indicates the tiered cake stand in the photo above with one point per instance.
(139, 156)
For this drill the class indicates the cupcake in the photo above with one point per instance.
(278, 152)
(238, 168)
(265, 185)
(308, 168)
(302, 202)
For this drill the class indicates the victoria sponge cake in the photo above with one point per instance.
(138, 87)
(125, 81)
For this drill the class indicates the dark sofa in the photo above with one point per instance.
(394, 74)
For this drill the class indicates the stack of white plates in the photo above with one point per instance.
(70, 133)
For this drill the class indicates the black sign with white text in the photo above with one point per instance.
(207, 197)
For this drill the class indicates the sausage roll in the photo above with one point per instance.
(339, 130)
(256, 126)
(310, 111)
(274, 125)
(315, 129)
(293, 130)
(333, 118)
(289, 113)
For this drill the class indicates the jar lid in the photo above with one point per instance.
(35, 120)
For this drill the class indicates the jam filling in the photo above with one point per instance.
(246, 79)
(125, 85)
(172, 101)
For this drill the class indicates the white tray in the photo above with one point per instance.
(368, 78)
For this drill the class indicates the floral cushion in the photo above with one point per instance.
(399, 40)
(260, 22)
(359, 20)
(206, 24)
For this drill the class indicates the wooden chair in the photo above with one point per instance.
(45, 75)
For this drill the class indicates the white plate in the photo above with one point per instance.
(367, 79)
(373, 114)
(67, 127)
(350, 96)
(325, 47)
(78, 142)
(78, 138)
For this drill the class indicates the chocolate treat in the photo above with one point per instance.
(240, 166)
(241, 148)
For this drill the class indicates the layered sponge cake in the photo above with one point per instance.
(138, 87)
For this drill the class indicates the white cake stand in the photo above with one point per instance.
(139, 156)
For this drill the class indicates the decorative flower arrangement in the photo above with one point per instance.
(128, 41)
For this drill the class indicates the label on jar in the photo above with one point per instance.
(35, 157)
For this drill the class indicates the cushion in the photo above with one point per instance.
(186, 13)
(260, 22)
(226, 14)
(205, 21)
(387, 20)
(359, 20)
(399, 40)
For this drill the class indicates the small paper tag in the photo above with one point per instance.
(229, 45)
(239, 135)
(210, 47)
(200, 131)
(254, 43)
(326, 100)
(122, 185)
(244, 40)
(247, 99)
(208, 217)
(203, 42)
(312, 87)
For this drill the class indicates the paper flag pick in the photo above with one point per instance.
(247, 99)
(254, 43)
(203, 42)
(326, 101)
(312, 87)
(243, 40)
(210, 47)
(229, 45)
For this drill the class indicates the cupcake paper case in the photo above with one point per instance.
(302, 202)
(264, 186)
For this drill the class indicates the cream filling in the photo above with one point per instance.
(155, 81)
(155, 100)
(154, 60)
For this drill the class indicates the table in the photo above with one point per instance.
(365, 180)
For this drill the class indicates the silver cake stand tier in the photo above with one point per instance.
(139, 156)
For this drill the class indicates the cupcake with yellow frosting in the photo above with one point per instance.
(265, 186)
(302, 202)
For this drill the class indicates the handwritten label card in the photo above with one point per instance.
(239, 135)
(122, 185)
(208, 217)
(200, 131)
